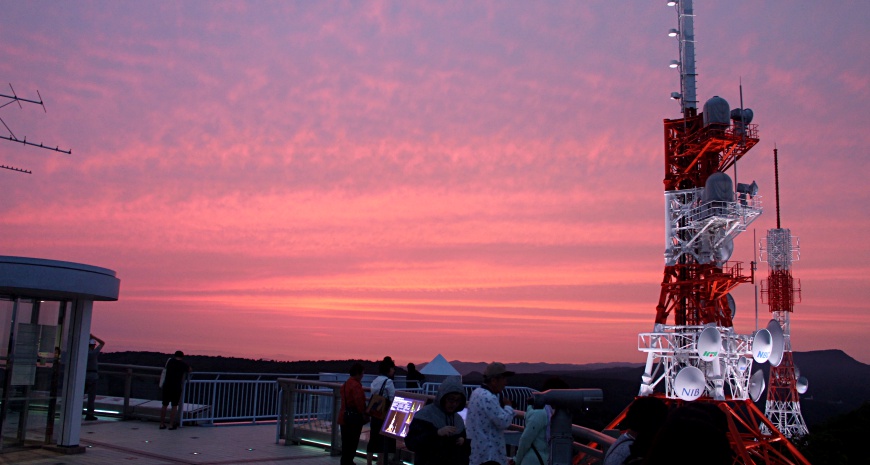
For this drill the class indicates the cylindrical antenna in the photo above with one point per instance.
(754, 282)
(743, 131)
(776, 182)
(689, 100)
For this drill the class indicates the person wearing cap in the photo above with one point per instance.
(488, 417)
(176, 370)
(92, 376)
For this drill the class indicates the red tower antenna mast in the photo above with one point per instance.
(781, 291)
(698, 356)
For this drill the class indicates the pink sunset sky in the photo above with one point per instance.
(327, 180)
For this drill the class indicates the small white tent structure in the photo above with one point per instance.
(439, 369)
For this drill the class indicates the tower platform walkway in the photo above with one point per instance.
(139, 442)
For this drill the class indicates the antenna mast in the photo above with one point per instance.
(688, 90)
(694, 352)
(14, 98)
(781, 291)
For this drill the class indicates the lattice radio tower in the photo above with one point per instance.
(781, 291)
(699, 356)
(14, 98)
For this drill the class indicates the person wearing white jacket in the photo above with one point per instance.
(488, 417)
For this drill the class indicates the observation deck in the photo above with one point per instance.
(228, 418)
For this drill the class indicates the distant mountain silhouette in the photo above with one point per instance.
(837, 383)
(470, 367)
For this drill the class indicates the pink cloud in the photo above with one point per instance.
(489, 172)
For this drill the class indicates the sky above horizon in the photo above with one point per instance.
(333, 180)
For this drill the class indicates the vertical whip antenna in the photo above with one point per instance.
(776, 182)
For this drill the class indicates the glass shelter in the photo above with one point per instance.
(45, 320)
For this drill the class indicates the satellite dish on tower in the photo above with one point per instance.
(756, 385)
(689, 383)
(802, 385)
(724, 252)
(742, 364)
(762, 343)
(778, 342)
(709, 344)
(732, 305)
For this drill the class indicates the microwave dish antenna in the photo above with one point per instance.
(756, 385)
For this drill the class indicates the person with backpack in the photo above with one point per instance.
(383, 386)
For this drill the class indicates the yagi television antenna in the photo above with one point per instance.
(14, 98)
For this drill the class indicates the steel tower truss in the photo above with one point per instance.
(781, 291)
(695, 290)
(698, 356)
(697, 276)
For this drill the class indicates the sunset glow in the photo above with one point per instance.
(332, 180)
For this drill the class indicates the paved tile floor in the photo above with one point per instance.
(142, 443)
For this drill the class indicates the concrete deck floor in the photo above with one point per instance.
(143, 443)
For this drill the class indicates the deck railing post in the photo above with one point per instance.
(128, 389)
(288, 412)
(181, 403)
(214, 396)
(282, 417)
(256, 399)
(335, 446)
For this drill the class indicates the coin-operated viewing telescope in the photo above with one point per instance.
(564, 402)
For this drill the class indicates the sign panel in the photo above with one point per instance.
(400, 415)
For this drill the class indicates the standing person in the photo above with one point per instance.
(378, 444)
(488, 417)
(352, 417)
(176, 370)
(642, 422)
(92, 376)
(437, 432)
(415, 376)
(534, 445)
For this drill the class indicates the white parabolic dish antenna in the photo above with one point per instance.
(756, 385)
(778, 341)
(802, 385)
(709, 344)
(689, 383)
(761, 345)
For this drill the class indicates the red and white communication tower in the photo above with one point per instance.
(781, 291)
(698, 356)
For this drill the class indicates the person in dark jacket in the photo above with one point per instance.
(437, 432)
(95, 346)
(414, 378)
(176, 371)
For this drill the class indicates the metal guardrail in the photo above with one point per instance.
(304, 408)
(207, 397)
(309, 413)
